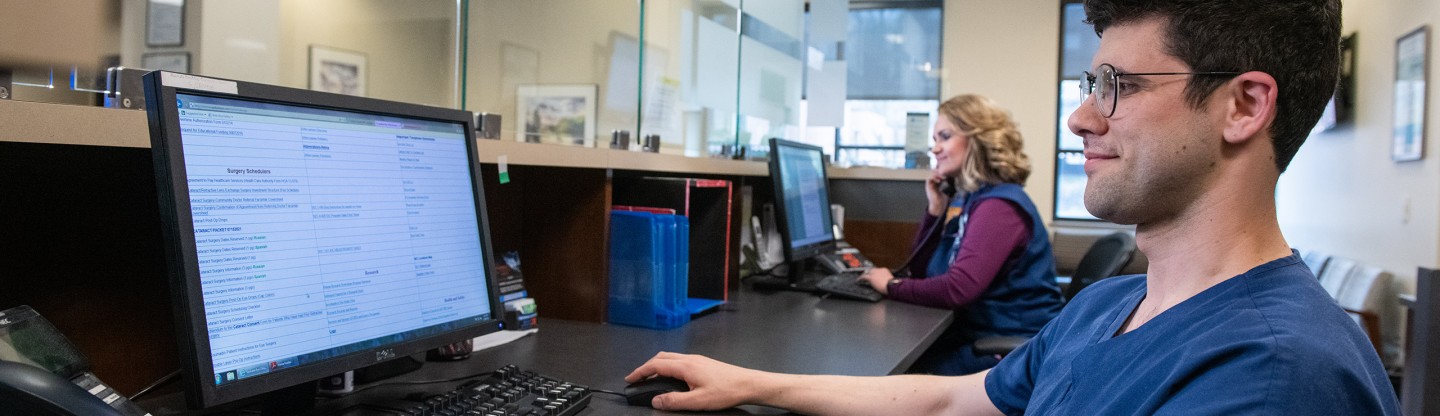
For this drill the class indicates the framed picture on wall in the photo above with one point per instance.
(1412, 56)
(337, 70)
(1341, 108)
(166, 61)
(165, 23)
(560, 114)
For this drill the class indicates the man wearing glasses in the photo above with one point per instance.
(1192, 110)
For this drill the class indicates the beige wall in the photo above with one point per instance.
(1009, 51)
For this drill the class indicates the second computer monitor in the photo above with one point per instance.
(802, 199)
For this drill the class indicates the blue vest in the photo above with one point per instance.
(1021, 299)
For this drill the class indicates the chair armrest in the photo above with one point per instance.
(1370, 322)
(998, 345)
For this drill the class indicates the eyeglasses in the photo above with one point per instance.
(1106, 96)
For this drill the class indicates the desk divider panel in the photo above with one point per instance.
(80, 242)
(558, 219)
(887, 243)
(708, 205)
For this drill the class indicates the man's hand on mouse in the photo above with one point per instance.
(713, 385)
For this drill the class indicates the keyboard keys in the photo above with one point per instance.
(509, 391)
(845, 285)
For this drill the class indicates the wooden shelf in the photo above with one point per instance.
(654, 162)
(531, 154)
(878, 174)
(27, 122)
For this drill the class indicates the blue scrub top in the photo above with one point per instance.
(1270, 341)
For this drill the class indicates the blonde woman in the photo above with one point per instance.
(982, 251)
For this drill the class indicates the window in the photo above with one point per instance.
(1078, 44)
(892, 53)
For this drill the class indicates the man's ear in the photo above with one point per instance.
(1251, 107)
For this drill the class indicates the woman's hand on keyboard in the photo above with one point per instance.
(713, 385)
(879, 279)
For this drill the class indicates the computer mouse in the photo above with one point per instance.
(641, 392)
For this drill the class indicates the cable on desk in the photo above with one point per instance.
(594, 390)
(162, 381)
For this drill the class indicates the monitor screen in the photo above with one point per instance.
(308, 234)
(801, 199)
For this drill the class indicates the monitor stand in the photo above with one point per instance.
(387, 369)
(799, 276)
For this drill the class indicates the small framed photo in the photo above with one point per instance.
(561, 114)
(166, 61)
(1412, 57)
(165, 23)
(337, 70)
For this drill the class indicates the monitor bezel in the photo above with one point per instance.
(792, 253)
(182, 260)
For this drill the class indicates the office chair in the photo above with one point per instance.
(1105, 258)
(1316, 261)
(1336, 273)
(1361, 298)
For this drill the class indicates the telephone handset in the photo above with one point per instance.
(947, 187)
(29, 390)
(41, 373)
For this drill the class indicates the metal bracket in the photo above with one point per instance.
(620, 139)
(5, 86)
(124, 88)
(487, 126)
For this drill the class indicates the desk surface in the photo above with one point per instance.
(785, 332)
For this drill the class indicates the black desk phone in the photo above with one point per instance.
(41, 373)
(844, 259)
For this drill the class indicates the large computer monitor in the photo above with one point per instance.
(802, 199)
(308, 233)
(802, 212)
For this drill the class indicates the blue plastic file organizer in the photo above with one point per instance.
(649, 263)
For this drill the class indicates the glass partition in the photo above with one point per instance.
(44, 43)
(709, 78)
(402, 51)
(691, 75)
(771, 51)
(557, 71)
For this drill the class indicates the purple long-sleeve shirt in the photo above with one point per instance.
(995, 237)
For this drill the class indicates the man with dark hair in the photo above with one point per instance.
(1193, 108)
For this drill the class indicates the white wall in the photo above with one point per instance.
(1009, 51)
(1342, 194)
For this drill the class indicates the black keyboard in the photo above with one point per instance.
(507, 391)
(844, 285)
